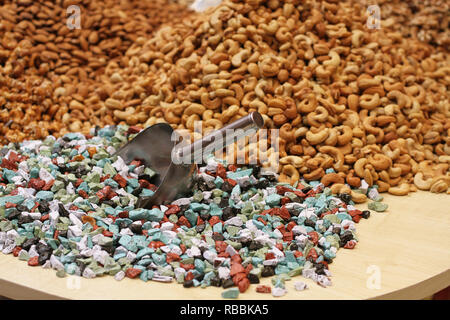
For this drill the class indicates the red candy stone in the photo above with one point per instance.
(134, 129)
(48, 185)
(236, 259)
(221, 171)
(263, 289)
(123, 214)
(282, 190)
(236, 268)
(187, 267)
(16, 251)
(33, 261)
(221, 246)
(288, 236)
(83, 194)
(120, 180)
(7, 164)
(172, 257)
(243, 285)
(283, 213)
(10, 205)
(290, 225)
(183, 221)
(133, 272)
(107, 233)
(350, 244)
(313, 254)
(214, 220)
(298, 254)
(314, 237)
(173, 209)
(270, 256)
(231, 182)
(238, 277)
(36, 184)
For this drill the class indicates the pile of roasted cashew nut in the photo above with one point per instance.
(371, 104)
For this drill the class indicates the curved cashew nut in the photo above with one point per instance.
(331, 178)
(289, 174)
(421, 183)
(194, 108)
(316, 138)
(336, 154)
(401, 190)
(380, 162)
(358, 197)
(287, 132)
(359, 167)
(353, 181)
(314, 175)
(208, 103)
(236, 60)
(339, 188)
(369, 102)
(292, 160)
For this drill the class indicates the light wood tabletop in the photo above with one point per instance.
(403, 253)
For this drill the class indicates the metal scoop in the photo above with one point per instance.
(175, 162)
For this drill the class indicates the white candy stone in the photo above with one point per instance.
(27, 193)
(224, 273)
(70, 189)
(300, 285)
(32, 252)
(131, 256)
(45, 175)
(12, 234)
(110, 149)
(270, 262)
(56, 264)
(182, 201)
(7, 249)
(323, 281)
(166, 226)
(74, 219)
(120, 165)
(100, 256)
(210, 256)
(35, 216)
(193, 252)
(297, 230)
(277, 233)
(230, 250)
(278, 292)
(119, 275)
(178, 271)
(234, 221)
(88, 273)
(74, 231)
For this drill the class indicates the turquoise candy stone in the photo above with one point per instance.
(12, 199)
(273, 199)
(232, 293)
(155, 215)
(44, 195)
(239, 174)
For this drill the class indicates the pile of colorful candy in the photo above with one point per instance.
(69, 204)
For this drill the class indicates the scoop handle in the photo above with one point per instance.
(247, 125)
